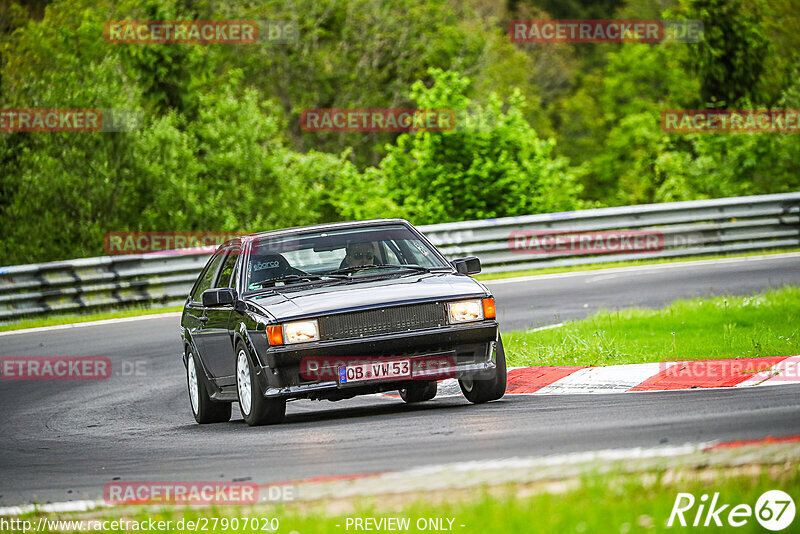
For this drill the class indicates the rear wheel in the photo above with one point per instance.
(256, 409)
(479, 391)
(204, 409)
(419, 392)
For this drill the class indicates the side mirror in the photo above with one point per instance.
(470, 265)
(218, 297)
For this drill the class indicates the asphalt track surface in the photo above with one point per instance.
(64, 440)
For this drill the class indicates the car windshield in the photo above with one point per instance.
(343, 253)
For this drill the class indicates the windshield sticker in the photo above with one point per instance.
(262, 265)
(420, 248)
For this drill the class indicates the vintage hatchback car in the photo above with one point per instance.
(331, 312)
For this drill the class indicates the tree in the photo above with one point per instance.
(494, 169)
(732, 58)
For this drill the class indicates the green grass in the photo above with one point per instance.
(612, 503)
(54, 320)
(766, 324)
(632, 263)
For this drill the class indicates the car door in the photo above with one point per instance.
(195, 316)
(218, 349)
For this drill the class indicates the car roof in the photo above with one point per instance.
(313, 228)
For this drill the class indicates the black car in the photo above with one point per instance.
(334, 311)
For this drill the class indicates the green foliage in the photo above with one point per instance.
(367, 53)
(498, 167)
(721, 165)
(220, 148)
(732, 57)
(611, 122)
(614, 120)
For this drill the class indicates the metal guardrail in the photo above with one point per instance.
(691, 228)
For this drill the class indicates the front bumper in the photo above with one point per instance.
(469, 351)
(473, 370)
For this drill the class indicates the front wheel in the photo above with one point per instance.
(479, 391)
(203, 408)
(256, 409)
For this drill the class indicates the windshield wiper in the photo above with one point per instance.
(421, 268)
(355, 269)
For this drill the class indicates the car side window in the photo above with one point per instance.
(226, 273)
(207, 277)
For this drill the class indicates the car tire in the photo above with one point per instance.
(419, 392)
(256, 409)
(480, 391)
(204, 409)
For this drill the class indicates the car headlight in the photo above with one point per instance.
(464, 311)
(301, 331)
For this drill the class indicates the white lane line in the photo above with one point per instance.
(782, 373)
(608, 379)
(52, 508)
(635, 268)
(92, 323)
(602, 277)
(548, 327)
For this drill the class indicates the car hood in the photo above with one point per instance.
(373, 293)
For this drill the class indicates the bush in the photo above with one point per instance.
(498, 168)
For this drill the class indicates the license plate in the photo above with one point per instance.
(374, 371)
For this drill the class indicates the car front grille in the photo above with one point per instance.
(382, 321)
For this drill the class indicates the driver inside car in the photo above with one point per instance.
(359, 254)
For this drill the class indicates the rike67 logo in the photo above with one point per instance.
(774, 510)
